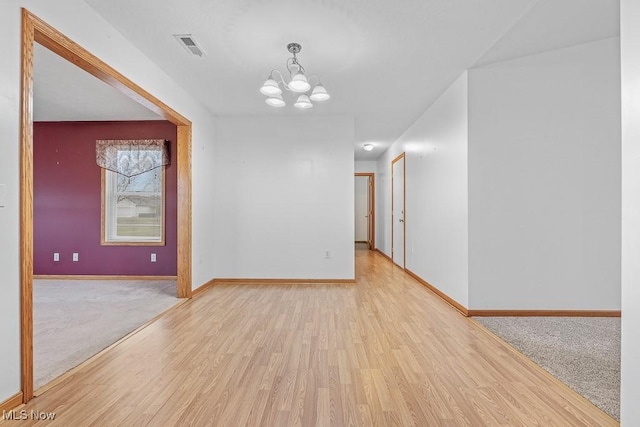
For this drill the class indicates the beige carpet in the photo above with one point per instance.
(75, 319)
(582, 352)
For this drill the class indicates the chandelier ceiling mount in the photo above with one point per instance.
(294, 48)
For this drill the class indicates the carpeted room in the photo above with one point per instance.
(80, 306)
(581, 352)
(76, 319)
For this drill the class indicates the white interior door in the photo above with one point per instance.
(362, 209)
(370, 213)
(397, 211)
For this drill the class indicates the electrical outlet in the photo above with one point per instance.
(56, 256)
(75, 257)
(153, 257)
(327, 255)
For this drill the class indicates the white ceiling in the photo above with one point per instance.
(64, 92)
(555, 24)
(383, 62)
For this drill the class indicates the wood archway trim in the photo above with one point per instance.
(36, 30)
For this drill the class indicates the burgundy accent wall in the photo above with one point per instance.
(67, 201)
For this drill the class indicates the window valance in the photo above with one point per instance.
(131, 157)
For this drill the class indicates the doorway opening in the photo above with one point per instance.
(398, 213)
(34, 30)
(365, 202)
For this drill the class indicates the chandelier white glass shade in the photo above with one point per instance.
(319, 93)
(303, 102)
(275, 101)
(298, 84)
(270, 88)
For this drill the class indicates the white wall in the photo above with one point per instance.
(544, 180)
(436, 193)
(630, 46)
(365, 166)
(9, 215)
(83, 25)
(284, 197)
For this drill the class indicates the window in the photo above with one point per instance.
(133, 208)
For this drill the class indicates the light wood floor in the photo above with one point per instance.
(383, 351)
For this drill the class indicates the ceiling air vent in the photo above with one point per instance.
(189, 43)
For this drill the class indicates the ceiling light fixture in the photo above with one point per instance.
(298, 83)
(368, 147)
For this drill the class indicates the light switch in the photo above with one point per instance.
(3, 195)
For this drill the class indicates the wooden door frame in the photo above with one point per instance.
(36, 30)
(372, 195)
(404, 208)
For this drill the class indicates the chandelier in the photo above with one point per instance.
(298, 83)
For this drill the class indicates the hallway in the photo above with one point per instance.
(383, 351)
